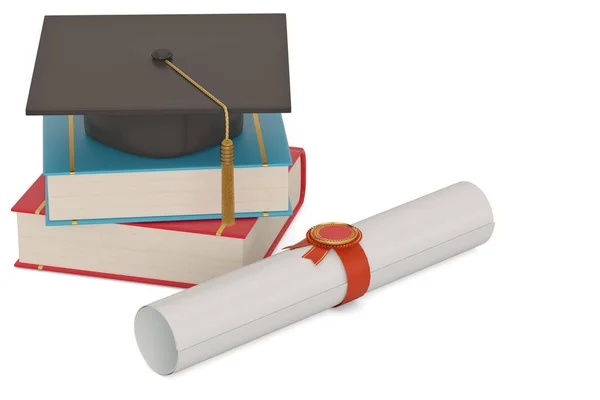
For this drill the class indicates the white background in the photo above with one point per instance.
(390, 103)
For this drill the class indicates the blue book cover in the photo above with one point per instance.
(92, 157)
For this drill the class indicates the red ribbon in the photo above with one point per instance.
(352, 255)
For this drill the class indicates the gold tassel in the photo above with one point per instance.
(227, 185)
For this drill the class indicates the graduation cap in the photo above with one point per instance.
(163, 85)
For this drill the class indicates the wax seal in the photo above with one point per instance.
(343, 239)
(162, 55)
(332, 235)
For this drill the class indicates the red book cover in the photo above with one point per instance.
(33, 202)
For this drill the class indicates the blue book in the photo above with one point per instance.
(90, 183)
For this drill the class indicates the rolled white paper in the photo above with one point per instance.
(218, 315)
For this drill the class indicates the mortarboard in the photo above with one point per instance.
(163, 85)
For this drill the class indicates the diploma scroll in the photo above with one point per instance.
(218, 315)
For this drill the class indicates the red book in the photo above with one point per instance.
(175, 253)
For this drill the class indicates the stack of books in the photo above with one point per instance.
(157, 220)
(132, 177)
